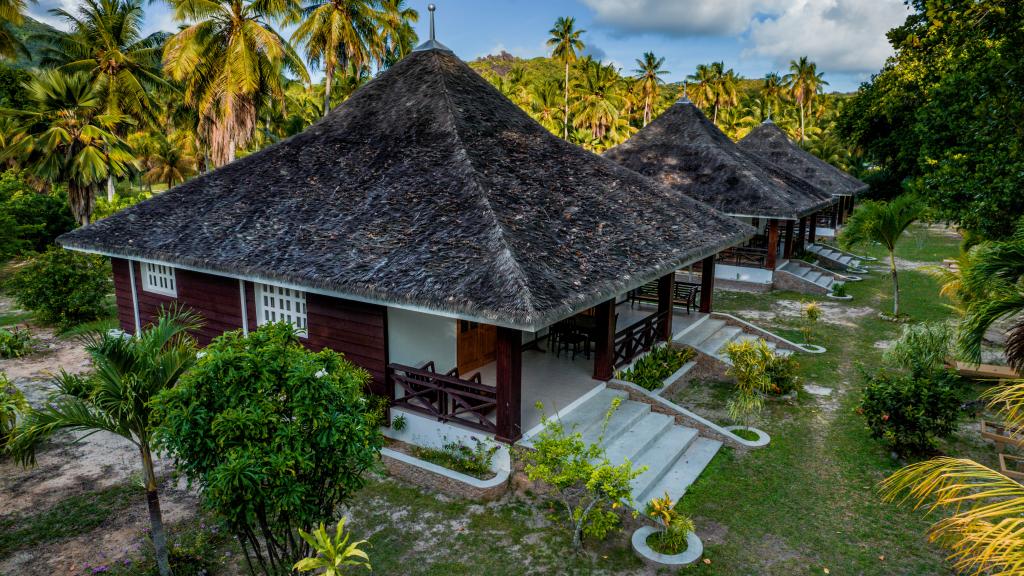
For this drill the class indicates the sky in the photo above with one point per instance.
(845, 37)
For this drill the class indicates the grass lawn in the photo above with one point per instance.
(803, 505)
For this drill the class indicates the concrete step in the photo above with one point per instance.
(719, 339)
(702, 332)
(844, 260)
(594, 409)
(683, 472)
(626, 416)
(633, 441)
(812, 276)
(661, 456)
(826, 281)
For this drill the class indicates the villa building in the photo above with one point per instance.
(682, 148)
(436, 235)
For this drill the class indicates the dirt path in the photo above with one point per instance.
(71, 466)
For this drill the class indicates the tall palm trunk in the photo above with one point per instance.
(647, 112)
(801, 106)
(714, 116)
(328, 84)
(565, 119)
(895, 285)
(156, 520)
(110, 188)
(80, 200)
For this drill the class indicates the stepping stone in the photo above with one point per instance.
(817, 390)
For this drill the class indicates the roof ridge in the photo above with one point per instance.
(519, 275)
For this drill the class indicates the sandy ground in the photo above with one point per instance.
(831, 313)
(66, 467)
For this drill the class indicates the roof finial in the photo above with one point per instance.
(432, 43)
(768, 120)
(432, 8)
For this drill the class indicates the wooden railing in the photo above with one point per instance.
(683, 294)
(740, 256)
(445, 396)
(638, 337)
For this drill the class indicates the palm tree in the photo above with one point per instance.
(885, 223)
(169, 162)
(804, 82)
(546, 105)
(106, 42)
(703, 94)
(565, 43)
(116, 398)
(12, 13)
(650, 72)
(229, 60)
(399, 36)
(772, 91)
(599, 97)
(340, 32)
(65, 138)
(716, 87)
(726, 91)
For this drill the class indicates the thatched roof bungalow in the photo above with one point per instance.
(427, 218)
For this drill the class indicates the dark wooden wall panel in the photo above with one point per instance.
(357, 330)
(123, 294)
(216, 298)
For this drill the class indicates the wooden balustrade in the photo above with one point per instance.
(743, 256)
(638, 337)
(445, 396)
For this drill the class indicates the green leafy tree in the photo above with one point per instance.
(274, 436)
(117, 398)
(649, 70)
(588, 485)
(884, 223)
(229, 59)
(63, 287)
(599, 97)
(332, 553)
(65, 138)
(566, 44)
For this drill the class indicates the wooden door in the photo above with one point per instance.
(476, 345)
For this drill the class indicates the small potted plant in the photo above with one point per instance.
(673, 542)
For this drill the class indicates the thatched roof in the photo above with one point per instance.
(683, 149)
(428, 190)
(769, 142)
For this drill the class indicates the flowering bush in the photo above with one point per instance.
(908, 412)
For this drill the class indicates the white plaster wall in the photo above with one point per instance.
(415, 338)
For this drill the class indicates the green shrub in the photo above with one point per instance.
(475, 461)
(275, 437)
(922, 348)
(63, 288)
(759, 371)
(783, 373)
(675, 526)
(124, 198)
(909, 413)
(29, 220)
(15, 343)
(839, 289)
(12, 406)
(660, 363)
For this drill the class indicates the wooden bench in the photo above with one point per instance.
(985, 371)
(1011, 466)
(683, 294)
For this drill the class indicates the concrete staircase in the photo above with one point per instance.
(710, 335)
(846, 260)
(804, 273)
(674, 455)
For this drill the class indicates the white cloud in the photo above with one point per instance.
(679, 17)
(840, 35)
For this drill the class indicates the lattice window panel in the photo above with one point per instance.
(278, 304)
(159, 279)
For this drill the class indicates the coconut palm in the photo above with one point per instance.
(339, 32)
(546, 105)
(66, 139)
(399, 37)
(716, 87)
(703, 90)
(116, 398)
(170, 162)
(229, 60)
(599, 97)
(804, 83)
(12, 13)
(106, 42)
(650, 73)
(773, 90)
(565, 45)
(884, 223)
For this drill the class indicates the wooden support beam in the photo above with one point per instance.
(773, 243)
(707, 283)
(787, 247)
(604, 337)
(666, 287)
(803, 236)
(509, 375)
(812, 228)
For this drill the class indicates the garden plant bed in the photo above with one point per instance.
(658, 368)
